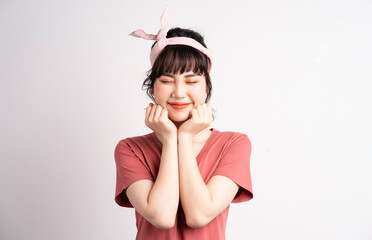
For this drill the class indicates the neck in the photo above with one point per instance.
(178, 124)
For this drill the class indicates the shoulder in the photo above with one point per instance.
(137, 140)
(231, 137)
(138, 143)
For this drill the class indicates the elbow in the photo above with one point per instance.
(164, 225)
(197, 221)
(163, 222)
(162, 218)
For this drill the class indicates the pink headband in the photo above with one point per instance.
(162, 41)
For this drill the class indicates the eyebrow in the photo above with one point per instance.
(192, 75)
(188, 75)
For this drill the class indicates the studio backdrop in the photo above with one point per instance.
(295, 76)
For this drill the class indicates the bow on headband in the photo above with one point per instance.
(162, 41)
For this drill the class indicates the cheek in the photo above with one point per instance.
(157, 90)
(160, 94)
(199, 95)
(203, 92)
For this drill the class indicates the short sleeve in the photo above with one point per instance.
(129, 169)
(235, 165)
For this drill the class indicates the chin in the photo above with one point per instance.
(180, 118)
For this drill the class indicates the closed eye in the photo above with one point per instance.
(164, 81)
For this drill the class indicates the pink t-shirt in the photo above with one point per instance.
(225, 153)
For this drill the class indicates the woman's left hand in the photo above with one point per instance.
(201, 118)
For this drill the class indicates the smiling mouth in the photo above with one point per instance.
(179, 106)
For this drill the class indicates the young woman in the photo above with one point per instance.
(182, 177)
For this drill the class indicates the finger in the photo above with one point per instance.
(164, 114)
(157, 113)
(194, 114)
(205, 113)
(148, 110)
(205, 110)
(151, 116)
(200, 110)
(210, 116)
(209, 107)
(205, 116)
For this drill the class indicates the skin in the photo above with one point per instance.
(183, 133)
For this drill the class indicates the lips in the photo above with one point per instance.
(179, 105)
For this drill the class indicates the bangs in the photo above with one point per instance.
(179, 59)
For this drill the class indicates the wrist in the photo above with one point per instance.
(170, 139)
(183, 136)
(167, 138)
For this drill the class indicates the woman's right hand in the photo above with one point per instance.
(157, 120)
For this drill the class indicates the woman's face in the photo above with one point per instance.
(180, 93)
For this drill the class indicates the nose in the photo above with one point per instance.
(179, 90)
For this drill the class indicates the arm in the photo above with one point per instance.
(158, 201)
(201, 202)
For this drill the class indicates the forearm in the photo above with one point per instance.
(163, 198)
(196, 199)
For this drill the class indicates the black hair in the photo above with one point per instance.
(178, 59)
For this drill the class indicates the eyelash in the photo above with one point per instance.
(164, 81)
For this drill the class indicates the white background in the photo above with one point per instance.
(295, 76)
